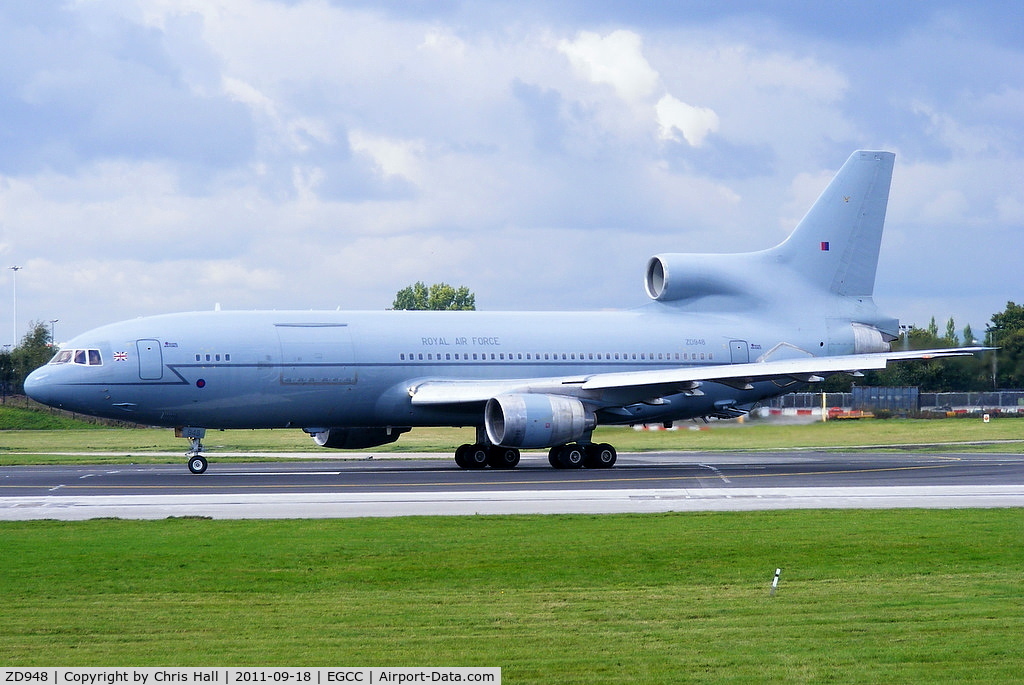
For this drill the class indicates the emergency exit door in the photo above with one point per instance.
(738, 352)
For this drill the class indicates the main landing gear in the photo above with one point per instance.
(480, 456)
(574, 456)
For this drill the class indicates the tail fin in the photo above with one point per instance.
(835, 245)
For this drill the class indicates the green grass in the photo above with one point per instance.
(21, 418)
(865, 596)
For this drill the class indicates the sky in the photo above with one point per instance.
(175, 155)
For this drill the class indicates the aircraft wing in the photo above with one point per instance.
(660, 382)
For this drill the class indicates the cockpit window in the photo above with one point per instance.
(83, 357)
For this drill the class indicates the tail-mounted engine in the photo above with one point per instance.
(529, 421)
(681, 276)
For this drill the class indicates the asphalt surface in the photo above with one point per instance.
(648, 482)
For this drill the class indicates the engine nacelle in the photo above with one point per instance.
(529, 420)
(356, 438)
(680, 276)
(867, 339)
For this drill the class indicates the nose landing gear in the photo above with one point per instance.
(196, 462)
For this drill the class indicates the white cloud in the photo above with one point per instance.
(616, 60)
(390, 156)
(694, 123)
(444, 42)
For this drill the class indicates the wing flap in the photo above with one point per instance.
(804, 369)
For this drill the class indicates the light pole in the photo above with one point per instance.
(14, 292)
(53, 332)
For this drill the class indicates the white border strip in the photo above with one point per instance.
(463, 503)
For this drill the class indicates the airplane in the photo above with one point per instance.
(721, 333)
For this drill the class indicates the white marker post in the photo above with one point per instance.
(775, 583)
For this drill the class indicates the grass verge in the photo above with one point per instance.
(866, 596)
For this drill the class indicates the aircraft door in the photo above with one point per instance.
(151, 361)
(738, 352)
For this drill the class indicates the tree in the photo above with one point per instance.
(951, 337)
(34, 350)
(969, 335)
(439, 296)
(1007, 333)
(6, 373)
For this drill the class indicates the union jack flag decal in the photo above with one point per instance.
(120, 356)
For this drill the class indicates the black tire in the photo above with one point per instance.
(460, 456)
(197, 464)
(502, 457)
(601, 456)
(571, 456)
(553, 457)
(476, 457)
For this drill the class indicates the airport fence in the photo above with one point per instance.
(903, 400)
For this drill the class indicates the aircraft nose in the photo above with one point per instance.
(38, 387)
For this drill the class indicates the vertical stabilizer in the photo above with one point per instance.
(835, 246)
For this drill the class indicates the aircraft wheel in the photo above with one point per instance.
(502, 457)
(553, 457)
(601, 456)
(476, 457)
(460, 456)
(571, 456)
(197, 464)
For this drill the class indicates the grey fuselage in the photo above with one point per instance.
(317, 369)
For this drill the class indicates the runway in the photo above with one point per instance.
(648, 482)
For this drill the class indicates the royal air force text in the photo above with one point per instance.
(482, 341)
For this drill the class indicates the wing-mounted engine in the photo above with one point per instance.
(682, 276)
(356, 438)
(534, 420)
